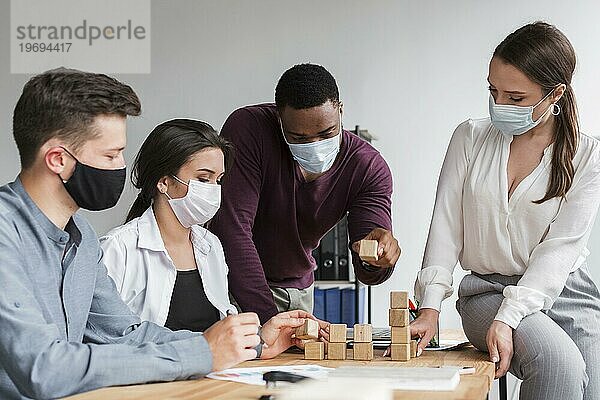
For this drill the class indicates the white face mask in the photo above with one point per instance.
(316, 157)
(516, 120)
(199, 205)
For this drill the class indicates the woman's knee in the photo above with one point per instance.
(476, 316)
(552, 356)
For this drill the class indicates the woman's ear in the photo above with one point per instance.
(162, 185)
(559, 92)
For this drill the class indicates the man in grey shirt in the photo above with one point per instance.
(63, 326)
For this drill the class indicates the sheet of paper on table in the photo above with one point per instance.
(449, 344)
(406, 378)
(254, 375)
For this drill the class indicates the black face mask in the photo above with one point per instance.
(93, 188)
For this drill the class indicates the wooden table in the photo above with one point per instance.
(475, 387)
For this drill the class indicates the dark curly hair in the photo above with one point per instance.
(306, 86)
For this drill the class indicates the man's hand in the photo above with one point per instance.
(388, 251)
(499, 340)
(233, 339)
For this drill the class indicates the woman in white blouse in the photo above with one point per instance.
(167, 267)
(516, 201)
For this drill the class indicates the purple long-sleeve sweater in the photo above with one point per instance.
(271, 219)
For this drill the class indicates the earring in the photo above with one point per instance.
(555, 109)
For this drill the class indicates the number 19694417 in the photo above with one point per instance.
(44, 47)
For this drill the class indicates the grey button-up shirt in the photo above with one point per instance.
(63, 327)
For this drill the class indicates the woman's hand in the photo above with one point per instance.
(500, 346)
(278, 333)
(425, 327)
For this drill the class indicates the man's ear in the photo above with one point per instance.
(341, 109)
(56, 160)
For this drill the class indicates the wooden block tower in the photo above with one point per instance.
(309, 333)
(399, 323)
(363, 342)
(336, 348)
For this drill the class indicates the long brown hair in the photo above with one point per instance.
(545, 55)
(166, 149)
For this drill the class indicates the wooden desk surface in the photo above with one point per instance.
(475, 387)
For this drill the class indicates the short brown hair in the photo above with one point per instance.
(63, 103)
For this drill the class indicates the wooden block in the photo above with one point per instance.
(363, 333)
(314, 351)
(336, 351)
(399, 317)
(399, 300)
(337, 333)
(400, 335)
(368, 250)
(400, 352)
(363, 351)
(310, 330)
(413, 348)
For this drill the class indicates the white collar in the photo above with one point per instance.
(149, 235)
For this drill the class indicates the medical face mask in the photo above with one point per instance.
(93, 188)
(516, 120)
(316, 157)
(199, 205)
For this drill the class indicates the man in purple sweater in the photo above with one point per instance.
(296, 173)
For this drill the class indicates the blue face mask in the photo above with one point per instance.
(316, 157)
(516, 120)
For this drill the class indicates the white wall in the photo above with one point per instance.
(409, 71)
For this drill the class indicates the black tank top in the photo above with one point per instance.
(190, 308)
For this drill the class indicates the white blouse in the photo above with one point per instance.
(137, 261)
(476, 224)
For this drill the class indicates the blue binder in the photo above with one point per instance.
(333, 305)
(348, 306)
(319, 306)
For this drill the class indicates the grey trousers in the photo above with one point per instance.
(287, 299)
(556, 352)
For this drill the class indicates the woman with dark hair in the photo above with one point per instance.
(516, 201)
(167, 267)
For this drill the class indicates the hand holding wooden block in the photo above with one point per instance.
(314, 351)
(310, 330)
(363, 333)
(363, 351)
(399, 317)
(337, 333)
(400, 352)
(369, 250)
(399, 300)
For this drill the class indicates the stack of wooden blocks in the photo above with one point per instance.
(309, 333)
(336, 347)
(402, 347)
(363, 342)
